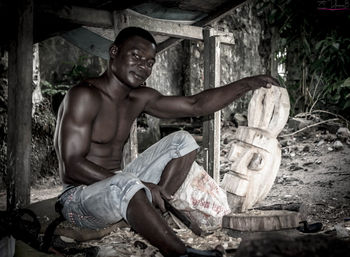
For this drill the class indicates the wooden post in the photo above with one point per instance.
(20, 105)
(212, 126)
(130, 150)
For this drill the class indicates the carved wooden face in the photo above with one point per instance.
(255, 161)
(255, 152)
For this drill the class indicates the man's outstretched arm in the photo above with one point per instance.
(206, 102)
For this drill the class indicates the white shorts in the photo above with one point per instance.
(105, 202)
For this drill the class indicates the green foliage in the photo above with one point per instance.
(49, 90)
(318, 49)
(332, 57)
(76, 74)
(339, 94)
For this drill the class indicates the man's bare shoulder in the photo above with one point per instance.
(84, 91)
(145, 93)
(83, 97)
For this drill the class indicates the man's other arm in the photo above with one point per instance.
(81, 106)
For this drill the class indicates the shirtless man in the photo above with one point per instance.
(93, 125)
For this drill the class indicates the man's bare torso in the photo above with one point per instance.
(110, 128)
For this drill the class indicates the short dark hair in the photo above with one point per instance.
(129, 32)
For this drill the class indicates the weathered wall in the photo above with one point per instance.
(167, 78)
(59, 56)
(244, 58)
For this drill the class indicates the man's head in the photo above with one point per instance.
(132, 56)
(129, 32)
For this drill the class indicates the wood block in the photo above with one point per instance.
(257, 220)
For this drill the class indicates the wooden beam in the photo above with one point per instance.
(129, 18)
(105, 19)
(215, 16)
(212, 126)
(20, 105)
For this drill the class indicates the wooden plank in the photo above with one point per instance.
(224, 37)
(105, 19)
(129, 18)
(212, 126)
(20, 105)
(215, 16)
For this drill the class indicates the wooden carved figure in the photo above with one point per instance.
(255, 152)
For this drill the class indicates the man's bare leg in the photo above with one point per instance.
(146, 221)
(175, 172)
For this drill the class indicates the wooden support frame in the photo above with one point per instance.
(20, 106)
(105, 19)
(221, 12)
(212, 126)
(128, 18)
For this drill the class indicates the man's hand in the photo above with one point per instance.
(259, 81)
(157, 195)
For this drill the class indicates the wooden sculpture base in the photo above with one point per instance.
(257, 220)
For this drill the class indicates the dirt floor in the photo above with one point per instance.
(314, 172)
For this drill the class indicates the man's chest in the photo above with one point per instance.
(113, 123)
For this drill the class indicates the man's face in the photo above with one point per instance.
(132, 61)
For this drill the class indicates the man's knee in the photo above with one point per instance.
(184, 140)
